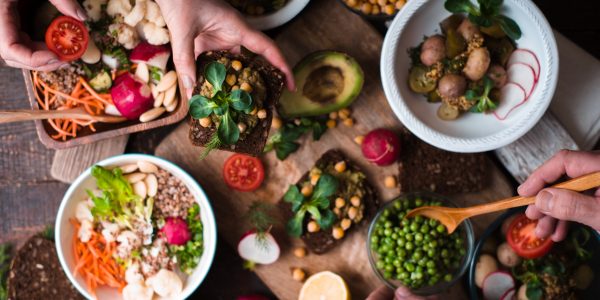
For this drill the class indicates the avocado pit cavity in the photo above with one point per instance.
(324, 84)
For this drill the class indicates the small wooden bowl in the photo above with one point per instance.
(103, 130)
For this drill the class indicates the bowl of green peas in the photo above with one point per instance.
(418, 252)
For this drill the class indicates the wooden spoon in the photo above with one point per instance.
(452, 217)
(78, 113)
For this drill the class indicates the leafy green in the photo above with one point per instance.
(317, 205)
(486, 15)
(481, 96)
(579, 238)
(4, 265)
(121, 56)
(228, 131)
(188, 255)
(534, 290)
(215, 73)
(284, 140)
(155, 73)
(48, 233)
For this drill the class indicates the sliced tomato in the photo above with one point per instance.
(67, 38)
(243, 173)
(522, 239)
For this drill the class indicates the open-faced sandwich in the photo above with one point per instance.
(328, 201)
(233, 100)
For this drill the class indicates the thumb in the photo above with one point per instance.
(569, 205)
(70, 8)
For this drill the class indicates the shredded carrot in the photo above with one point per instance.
(94, 261)
(82, 95)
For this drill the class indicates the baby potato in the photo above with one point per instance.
(497, 74)
(507, 256)
(452, 86)
(468, 29)
(485, 265)
(433, 50)
(477, 64)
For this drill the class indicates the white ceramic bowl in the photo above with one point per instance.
(278, 17)
(471, 132)
(77, 192)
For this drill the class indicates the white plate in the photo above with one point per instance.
(77, 192)
(278, 17)
(470, 132)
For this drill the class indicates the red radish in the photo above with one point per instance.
(260, 250)
(252, 297)
(523, 75)
(527, 57)
(381, 147)
(512, 95)
(176, 231)
(497, 284)
(131, 96)
(152, 55)
(509, 295)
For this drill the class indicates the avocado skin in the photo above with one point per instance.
(322, 68)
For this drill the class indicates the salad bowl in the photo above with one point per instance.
(471, 132)
(67, 234)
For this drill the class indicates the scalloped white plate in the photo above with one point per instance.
(279, 17)
(470, 132)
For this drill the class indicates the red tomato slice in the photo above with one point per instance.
(67, 38)
(243, 173)
(522, 239)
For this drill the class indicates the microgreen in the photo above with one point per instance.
(284, 141)
(317, 205)
(485, 15)
(261, 217)
(480, 94)
(223, 104)
(4, 265)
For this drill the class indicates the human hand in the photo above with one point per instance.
(199, 26)
(16, 47)
(552, 204)
(401, 293)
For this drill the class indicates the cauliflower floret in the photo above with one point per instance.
(154, 15)
(126, 35)
(93, 8)
(155, 35)
(137, 13)
(110, 231)
(85, 231)
(118, 7)
(83, 212)
(133, 275)
(137, 291)
(165, 283)
(128, 241)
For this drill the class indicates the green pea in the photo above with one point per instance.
(433, 222)
(448, 277)
(401, 253)
(394, 236)
(440, 228)
(418, 237)
(424, 228)
(414, 226)
(396, 263)
(418, 219)
(375, 239)
(445, 253)
(418, 202)
(409, 237)
(417, 255)
(409, 246)
(431, 253)
(388, 224)
(397, 205)
(409, 267)
(404, 275)
(387, 232)
(380, 264)
(387, 275)
(386, 213)
(400, 242)
(406, 229)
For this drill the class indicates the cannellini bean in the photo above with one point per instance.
(137, 291)
(151, 185)
(147, 167)
(152, 114)
(133, 275)
(153, 90)
(167, 81)
(165, 283)
(135, 177)
(112, 110)
(173, 105)
(142, 72)
(129, 168)
(170, 95)
(139, 188)
(158, 99)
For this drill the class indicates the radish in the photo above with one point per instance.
(509, 295)
(381, 147)
(131, 96)
(523, 75)
(512, 95)
(176, 231)
(152, 55)
(497, 284)
(527, 57)
(258, 249)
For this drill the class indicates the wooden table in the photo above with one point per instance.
(29, 197)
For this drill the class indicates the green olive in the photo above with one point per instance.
(419, 82)
(448, 112)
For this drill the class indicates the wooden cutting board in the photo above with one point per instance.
(324, 24)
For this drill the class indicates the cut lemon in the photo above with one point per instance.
(324, 286)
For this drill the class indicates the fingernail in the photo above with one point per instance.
(81, 14)
(52, 61)
(544, 201)
(187, 81)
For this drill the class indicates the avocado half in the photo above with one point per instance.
(326, 81)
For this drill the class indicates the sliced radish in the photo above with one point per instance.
(509, 295)
(527, 57)
(523, 75)
(258, 250)
(497, 284)
(512, 95)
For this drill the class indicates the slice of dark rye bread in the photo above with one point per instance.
(274, 79)
(36, 274)
(426, 168)
(323, 241)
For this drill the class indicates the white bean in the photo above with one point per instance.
(139, 188)
(151, 184)
(112, 110)
(167, 81)
(147, 167)
(152, 114)
(135, 177)
(153, 90)
(142, 72)
(170, 95)
(158, 99)
(129, 168)
(173, 105)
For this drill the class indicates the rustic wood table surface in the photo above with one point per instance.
(29, 197)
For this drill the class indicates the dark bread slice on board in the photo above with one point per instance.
(323, 241)
(426, 168)
(36, 274)
(274, 79)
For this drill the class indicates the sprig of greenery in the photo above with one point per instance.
(260, 214)
(486, 15)
(4, 265)
(188, 255)
(481, 95)
(317, 205)
(284, 141)
(222, 104)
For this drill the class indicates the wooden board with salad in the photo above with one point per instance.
(318, 28)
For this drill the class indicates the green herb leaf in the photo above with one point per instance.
(201, 107)
(460, 6)
(314, 212)
(241, 100)
(471, 95)
(509, 26)
(318, 129)
(490, 7)
(482, 21)
(260, 214)
(228, 131)
(322, 203)
(534, 291)
(326, 186)
(327, 219)
(284, 149)
(294, 226)
(212, 144)
(215, 73)
(294, 197)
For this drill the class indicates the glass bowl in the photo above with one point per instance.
(465, 232)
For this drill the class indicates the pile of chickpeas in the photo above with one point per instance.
(376, 7)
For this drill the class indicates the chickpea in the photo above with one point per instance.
(298, 274)
(313, 226)
(242, 127)
(231, 79)
(352, 3)
(307, 190)
(246, 87)
(345, 224)
(236, 65)
(331, 123)
(314, 178)
(276, 123)
(333, 115)
(400, 4)
(376, 10)
(205, 122)
(254, 111)
(261, 114)
(300, 252)
(389, 182)
(337, 233)
(235, 87)
(352, 213)
(340, 166)
(337, 211)
(389, 9)
(355, 200)
(382, 2)
(359, 139)
(349, 122)
(344, 113)
(340, 202)
(366, 8)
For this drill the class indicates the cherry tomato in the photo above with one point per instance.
(522, 239)
(67, 38)
(243, 173)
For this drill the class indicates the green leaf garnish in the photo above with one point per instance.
(486, 15)
(201, 107)
(326, 186)
(241, 100)
(215, 73)
(294, 226)
(228, 131)
(481, 95)
(509, 26)
(284, 140)
(294, 197)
